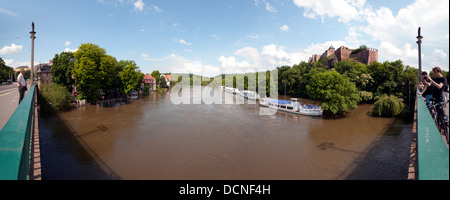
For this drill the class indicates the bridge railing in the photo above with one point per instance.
(432, 151)
(15, 140)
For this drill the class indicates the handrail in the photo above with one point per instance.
(432, 153)
(15, 140)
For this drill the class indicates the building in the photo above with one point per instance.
(44, 74)
(17, 69)
(363, 54)
(151, 81)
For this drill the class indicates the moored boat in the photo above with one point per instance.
(292, 106)
(232, 90)
(249, 95)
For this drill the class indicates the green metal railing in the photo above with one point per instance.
(432, 151)
(15, 140)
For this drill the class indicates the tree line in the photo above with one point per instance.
(5, 71)
(95, 73)
(339, 88)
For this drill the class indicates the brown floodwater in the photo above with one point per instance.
(152, 138)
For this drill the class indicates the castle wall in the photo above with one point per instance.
(343, 53)
(366, 56)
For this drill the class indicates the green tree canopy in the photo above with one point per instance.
(131, 77)
(336, 92)
(5, 71)
(62, 66)
(387, 106)
(89, 72)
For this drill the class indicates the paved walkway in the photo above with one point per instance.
(9, 98)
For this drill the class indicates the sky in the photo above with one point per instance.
(210, 37)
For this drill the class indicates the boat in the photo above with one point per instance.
(292, 106)
(249, 95)
(232, 90)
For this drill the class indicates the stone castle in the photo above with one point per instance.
(364, 55)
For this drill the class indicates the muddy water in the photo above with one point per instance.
(152, 138)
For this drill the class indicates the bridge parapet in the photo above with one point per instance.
(432, 152)
(15, 140)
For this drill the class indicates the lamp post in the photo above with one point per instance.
(419, 42)
(32, 33)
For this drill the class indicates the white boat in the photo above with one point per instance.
(292, 106)
(249, 95)
(232, 90)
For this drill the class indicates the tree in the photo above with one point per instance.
(162, 82)
(155, 74)
(131, 77)
(387, 106)
(5, 71)
(62, 66)
(108, 74)
(336, 92)
(88, 71)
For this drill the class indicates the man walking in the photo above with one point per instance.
(22, 84)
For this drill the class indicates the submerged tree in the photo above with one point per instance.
(387, 106)
(336, 92)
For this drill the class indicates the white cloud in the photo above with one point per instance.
(344, 10)
(14, 64)
(215, 36)
(269, 57)
(284, 28)
(178, 64)
(70, 50)
(397, 33)
(148, 58)
(394, 34)
(184, 42)
(253, 36)
(247, 59)
(270, 8)
(67, 43)
(139, 5)
(7, 12)
(11, 49)
(155, 8)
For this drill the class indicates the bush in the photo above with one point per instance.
(387, 106)
(366, 96)
(57, 96)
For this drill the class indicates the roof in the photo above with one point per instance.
(44, 69)
(148, 76)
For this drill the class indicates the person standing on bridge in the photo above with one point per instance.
(439, 84)
(22, 84)
(426, 91)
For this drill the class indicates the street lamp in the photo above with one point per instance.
(419, 42)
(32, 33)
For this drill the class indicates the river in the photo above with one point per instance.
(152, 138)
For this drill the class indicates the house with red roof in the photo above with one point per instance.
(151, 81)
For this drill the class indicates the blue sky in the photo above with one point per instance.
(210, 37)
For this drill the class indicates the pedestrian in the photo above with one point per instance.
(426, 92)
(439, 84)
(21, 84)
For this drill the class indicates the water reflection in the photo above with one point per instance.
(152, 138)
